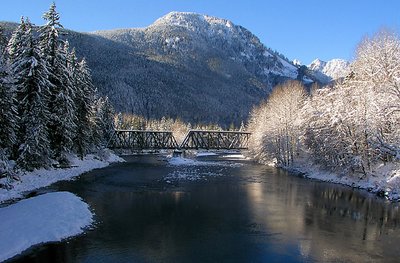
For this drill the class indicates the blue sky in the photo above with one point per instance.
(302, 30)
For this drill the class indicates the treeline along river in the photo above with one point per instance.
(222, 209)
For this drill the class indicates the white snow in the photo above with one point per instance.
(202, 154)
(385, 178)
(46, 218)
(297, 62)
(288, 69)
(334, 69)
(42, 177)
(235, 156)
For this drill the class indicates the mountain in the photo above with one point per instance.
(195, 67)
(331, 70)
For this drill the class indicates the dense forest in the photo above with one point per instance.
(49, 107)
(352, 127)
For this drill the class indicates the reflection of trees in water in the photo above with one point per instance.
(349, 223)
(326, 222)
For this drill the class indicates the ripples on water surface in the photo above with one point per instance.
(229, 211)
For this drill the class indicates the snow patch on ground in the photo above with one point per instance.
(235, 156)
(45, 177)
(201, 154)
(46, 218)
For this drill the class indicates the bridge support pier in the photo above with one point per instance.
(178, 153)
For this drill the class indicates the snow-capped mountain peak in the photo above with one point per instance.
(193, 21)
(317, 65)
(333, 69)
(336, 68)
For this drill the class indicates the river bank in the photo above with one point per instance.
(30, 181)
(384, 180)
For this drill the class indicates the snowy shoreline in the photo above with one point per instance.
(49, 217)
(44, 177)
(41, 219)
(384, 183)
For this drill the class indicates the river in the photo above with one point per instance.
(222, 209)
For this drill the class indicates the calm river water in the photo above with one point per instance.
(223, 209)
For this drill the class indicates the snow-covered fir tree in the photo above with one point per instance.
(62, 105)
(104, 120)
(30, 73)
(8, 113)
(49, 35)
(84, 101)
(61, 99)
(48, 103)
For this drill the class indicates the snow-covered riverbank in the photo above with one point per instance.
(30, 181)
(49, 217)
(384, 180)
(46, 218)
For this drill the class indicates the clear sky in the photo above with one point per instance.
(299, 29)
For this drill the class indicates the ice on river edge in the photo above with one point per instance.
(45, 177)
(49, 217)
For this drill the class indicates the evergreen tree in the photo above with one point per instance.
(104, 121)
(84, 100)
(62, 123)
(63, 119)
(8, 112)
(49, 41)
(14, 46)
(32, 86)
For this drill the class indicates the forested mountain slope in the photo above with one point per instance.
(195, 67)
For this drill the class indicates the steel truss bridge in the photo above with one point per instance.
(195, 139)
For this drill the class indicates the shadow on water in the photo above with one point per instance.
(235, 211)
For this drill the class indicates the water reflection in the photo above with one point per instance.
(252, 214)
(327, 222)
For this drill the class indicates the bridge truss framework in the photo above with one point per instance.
(195, 139)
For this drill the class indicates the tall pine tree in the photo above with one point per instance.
(32, 86)
(85, 93)
(8, 113)
(61, 101)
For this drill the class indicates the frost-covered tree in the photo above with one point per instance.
(30, 74)
(86, 123)
(377, 72)
(276, 124)
(61, 99)
(63, 108)
(355, 125)
(104, 121)
(49, 35)
(8, 113)
(14, 46)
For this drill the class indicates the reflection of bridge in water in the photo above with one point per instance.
(195, 139)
